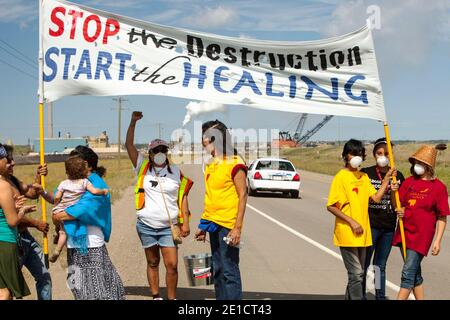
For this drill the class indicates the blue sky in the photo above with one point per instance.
(412, 46)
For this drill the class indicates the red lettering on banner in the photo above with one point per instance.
(110, 32)
(75, 15)
(112, 26)
(98, 26)
(57, 21)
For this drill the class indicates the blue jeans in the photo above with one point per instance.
(381, 248)
(412, 272)
(32, 258)
(227, 276)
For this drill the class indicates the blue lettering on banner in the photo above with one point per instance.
(51, 64)
(246, 80)
(103, 67)
(188, 75)
(312, 85)
(85, 66)
(348, 89)
(218, 78)
(68, 52)
(269, 90)
(98, 66)
(103, 63)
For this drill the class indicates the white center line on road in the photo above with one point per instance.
(312, 242)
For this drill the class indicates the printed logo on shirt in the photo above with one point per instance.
(426, 190)
(412, 202)
(207, 176)
(356, 190)
(154, 183)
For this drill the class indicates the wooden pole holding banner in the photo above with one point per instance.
(394, 179)
(41, 129)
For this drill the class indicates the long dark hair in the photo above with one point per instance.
(216, 131)
(88, 155)
(10, 150)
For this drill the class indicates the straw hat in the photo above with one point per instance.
(427, 154)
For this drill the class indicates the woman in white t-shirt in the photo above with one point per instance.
(161, 192)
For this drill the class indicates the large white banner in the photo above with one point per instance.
(91, 52)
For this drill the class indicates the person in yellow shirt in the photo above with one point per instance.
(348, 200)
(225, 201)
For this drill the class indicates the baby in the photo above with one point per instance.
(68, 193)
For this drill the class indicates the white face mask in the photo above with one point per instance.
(419, 169)
(160, 158)
(209, 148)
(355, 162)
(382, 161)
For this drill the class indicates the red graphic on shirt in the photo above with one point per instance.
(207, 177)
(356, 190)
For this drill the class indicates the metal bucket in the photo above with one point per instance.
(199, 269)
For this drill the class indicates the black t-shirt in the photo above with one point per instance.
(382, 215)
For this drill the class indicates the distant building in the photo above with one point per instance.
(102, 141)
(59, 145)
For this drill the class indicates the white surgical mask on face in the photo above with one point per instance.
(160, 158)
(419, 169)
(382, 161)
(209, 148)
(355, 162)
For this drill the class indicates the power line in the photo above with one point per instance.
(17, 57)
(14, 67)
(18, 51)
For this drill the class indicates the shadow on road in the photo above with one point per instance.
(203, 294)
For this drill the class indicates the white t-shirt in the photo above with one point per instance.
(95, 236)
(154, 213)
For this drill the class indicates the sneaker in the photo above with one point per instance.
(158, 298)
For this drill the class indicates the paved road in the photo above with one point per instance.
(287, 250)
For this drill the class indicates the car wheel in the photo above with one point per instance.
(251, 192)
(294, 194)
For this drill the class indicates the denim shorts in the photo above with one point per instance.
(412, 271)
(150, 236)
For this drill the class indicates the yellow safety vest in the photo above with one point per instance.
(185, 187)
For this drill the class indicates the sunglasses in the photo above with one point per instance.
(159, 149)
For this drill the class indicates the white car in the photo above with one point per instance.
(273, 174)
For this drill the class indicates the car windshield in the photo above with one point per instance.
(275, 165)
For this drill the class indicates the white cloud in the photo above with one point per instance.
(18, 10)
(212, 17)
(164, 17)
(408, 30)
(115, 4)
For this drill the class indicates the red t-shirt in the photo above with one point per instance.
(424, 202)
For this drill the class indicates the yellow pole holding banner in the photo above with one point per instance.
(42, 161)
(394, 179)
(41, 127)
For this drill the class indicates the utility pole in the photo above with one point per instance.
(119, 109)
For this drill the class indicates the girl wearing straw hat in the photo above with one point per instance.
(424, 201)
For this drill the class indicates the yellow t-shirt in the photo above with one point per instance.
(351, 192)
(221, 197)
